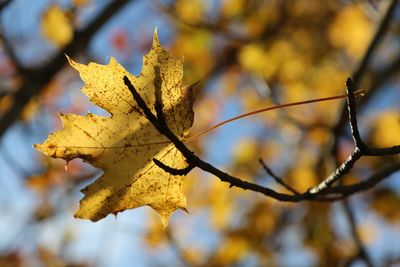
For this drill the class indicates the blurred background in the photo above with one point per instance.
(246, 55)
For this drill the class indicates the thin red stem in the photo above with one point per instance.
(192, 138)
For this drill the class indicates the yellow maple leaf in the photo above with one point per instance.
(124, 144)
(56, 26)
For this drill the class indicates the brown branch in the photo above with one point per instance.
(379, 79)
(360, 150)
(320, 193)
(4, 4)
(362, 67)
(369, 183)
(36, 79)
(192, 159)
(10, 53)
(362, 253)
(277, 179)
(356, 154)
(351, 107)
(7, 46)
(174, 171)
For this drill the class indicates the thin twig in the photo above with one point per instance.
(360, 150)
(362, 253)
(362, 67)
(193, 160)
(351, 106)
(173, 171)
(277, 179)
(10, 52)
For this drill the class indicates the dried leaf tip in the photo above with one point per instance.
(68, 58)
(156, 41)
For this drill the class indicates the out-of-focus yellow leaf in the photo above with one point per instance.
(385, 203)
(49, 257)
(46, 180)
(368, 232)
(56, 26)
(30, 110)
(196, 46)
(193, 255)
(386, 130)
(80, 3)
(245, 151)
(320, 135)
(6, 103)
(302, 178)
(231, 250)
(264, 14)
(190, 11)
(263, 218)
(125, 144)
(351, 30)
(253, 58)
(222, 203)
(155, 235)
(231, 8)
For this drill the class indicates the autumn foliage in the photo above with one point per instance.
(242, 56)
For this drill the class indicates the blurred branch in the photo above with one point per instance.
(380, 78)
(36, 79)
(391, 260)
(317, 193)
(5, 42)
(4, 4)
(362, 253)
(9, 51)
(362, 67)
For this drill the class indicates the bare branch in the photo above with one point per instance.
(362, 67)
(343, 169)
(192, 159)
(362, 253)
(277, 179)
(35, 79)
(4, 4)
(174, 171)
(322, 192)
(351, 106)
(360, 150)
(10, 53)
(360, 147)
(376, 178)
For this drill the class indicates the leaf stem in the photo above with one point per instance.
(192, 138)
